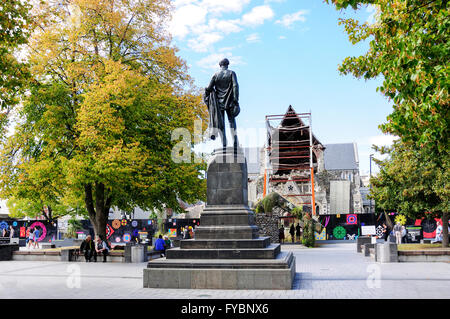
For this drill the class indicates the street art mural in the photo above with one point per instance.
(47, 230)
(122, 231)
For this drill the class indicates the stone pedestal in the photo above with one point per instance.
(227, 252)
(387, 253)
(137, 254)
(361, 240)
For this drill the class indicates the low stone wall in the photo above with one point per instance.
(387, 252)
(55, 255)
(37, 256)
(424, 256)
(268, 225)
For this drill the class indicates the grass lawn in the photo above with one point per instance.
(419, 246)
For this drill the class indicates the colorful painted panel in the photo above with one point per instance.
(352, 219)
(172, 232)
(322, 235)
(339, 232)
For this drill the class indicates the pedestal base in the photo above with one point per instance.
(274, 274)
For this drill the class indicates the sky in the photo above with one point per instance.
(285, 52)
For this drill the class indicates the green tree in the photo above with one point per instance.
(15, 27)
(409, 48)
(97, 124)
(411, 185)
(20, 208)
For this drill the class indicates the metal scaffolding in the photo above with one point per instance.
(289, 151)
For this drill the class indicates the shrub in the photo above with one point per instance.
(308, 238)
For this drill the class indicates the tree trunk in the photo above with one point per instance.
(98, 212)
(445, 229)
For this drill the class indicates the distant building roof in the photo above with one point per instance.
(253, 157)
(341, 156)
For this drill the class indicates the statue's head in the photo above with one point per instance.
(224, 63)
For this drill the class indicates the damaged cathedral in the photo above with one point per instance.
(321, 178)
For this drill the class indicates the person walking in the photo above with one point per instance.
(398, 233)
(88, 246)
(386, 232)
(30, 239)
(439, 236)
(298, 231)
(36, 233)
(292, 232)
(102, 248)
(281, 234)
(11, 232)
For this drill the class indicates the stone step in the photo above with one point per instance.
(227, 232)
(269, 252)
(282, 261)
(261, 242)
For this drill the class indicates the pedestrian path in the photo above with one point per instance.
(331, 271)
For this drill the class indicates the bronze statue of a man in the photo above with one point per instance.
(222, 96)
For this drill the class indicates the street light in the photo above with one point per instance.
(370, 183)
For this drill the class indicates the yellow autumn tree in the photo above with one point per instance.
(108, 91)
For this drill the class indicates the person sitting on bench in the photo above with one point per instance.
(160, 246)
(88, 246)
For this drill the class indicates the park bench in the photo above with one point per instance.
(47, 245)
(77, 255)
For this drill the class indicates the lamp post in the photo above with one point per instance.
(370, 183)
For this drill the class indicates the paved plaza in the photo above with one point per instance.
(331, 271)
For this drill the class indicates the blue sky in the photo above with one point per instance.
(284, 52)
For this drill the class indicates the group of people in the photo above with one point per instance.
(294, 231)
(92, 249)
(399, 232)
(161, 245)
(32, 238)
(188, 232)
(6, 233)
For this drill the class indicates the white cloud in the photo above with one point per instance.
(282, 37)
(224, 6)
(204, 41)
(211, 62)
(225, 26)
(253, 38)
(257, 16)
(186, 17)
(289, 19)
(199, 25)
(382, 140)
